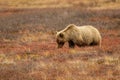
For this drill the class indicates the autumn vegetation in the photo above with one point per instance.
(28, 49)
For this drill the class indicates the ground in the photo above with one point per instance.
(28, 49)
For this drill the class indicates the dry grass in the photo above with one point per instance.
(28, 49)
(96, 4)
(53, 64)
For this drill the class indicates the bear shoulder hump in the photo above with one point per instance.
(71, 26)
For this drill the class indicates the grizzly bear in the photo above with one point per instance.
(78, 35)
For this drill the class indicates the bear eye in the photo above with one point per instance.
(61, 35)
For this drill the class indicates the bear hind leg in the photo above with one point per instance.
(71, 44)
(96, 43)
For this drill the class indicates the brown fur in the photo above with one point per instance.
(78, 35)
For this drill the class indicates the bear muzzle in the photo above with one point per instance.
(60, 45)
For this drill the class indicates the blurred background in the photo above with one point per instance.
(114, 4)
(28, 49)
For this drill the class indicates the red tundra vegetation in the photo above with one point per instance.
(28, 49)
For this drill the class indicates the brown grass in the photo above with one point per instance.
(94, 4)
(28, 47)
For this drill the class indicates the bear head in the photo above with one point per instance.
(64, 35)
(60, 39)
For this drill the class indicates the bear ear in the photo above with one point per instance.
(61, 35)
(56, 32)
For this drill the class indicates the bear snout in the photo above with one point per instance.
(60, 44)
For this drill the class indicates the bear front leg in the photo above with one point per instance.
(71, 44)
